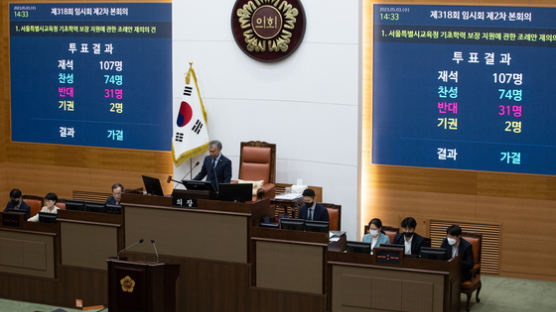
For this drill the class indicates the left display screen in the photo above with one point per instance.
(92, 74)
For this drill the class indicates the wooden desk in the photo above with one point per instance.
(29, 249)
(359, 283)
(89, 238)
(210, 243)
(289, 271)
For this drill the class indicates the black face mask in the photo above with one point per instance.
(309, 204)
(408, 234)
(15, 203)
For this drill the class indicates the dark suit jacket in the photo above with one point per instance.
(23, 207)
(416, 244)
(465, 251)
(111, 200)
(223, 171)
(319, 214)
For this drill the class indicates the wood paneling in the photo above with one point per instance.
(523, 204)
(41, 179)
(207, 286)
(42, 168)
(277, 301)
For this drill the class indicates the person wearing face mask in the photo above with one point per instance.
(412, 241)
(311, 210)
(16, 203)
(456, 246)
(376, 237)
(50, 200)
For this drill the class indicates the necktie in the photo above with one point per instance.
(310, 214)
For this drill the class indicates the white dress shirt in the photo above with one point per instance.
(455, 250)
(407, 244)
(35, 218)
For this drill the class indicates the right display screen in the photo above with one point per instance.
(465, 87)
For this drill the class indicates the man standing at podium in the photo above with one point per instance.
(216, 167)
(311, 210)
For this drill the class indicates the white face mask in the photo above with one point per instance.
(451, 241)
(373, 232)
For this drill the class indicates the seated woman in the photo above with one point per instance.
(376, 237)
(50, 200)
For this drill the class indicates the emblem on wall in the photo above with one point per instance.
(268, 30)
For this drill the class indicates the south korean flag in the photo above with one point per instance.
(190, 137)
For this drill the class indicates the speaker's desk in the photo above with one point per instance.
(210, 243)
(357, 282)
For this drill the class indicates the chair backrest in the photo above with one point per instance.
(257, 161)
(476, 243)
(61, 204)
(391, 232)
(34, 202)
(334, 216)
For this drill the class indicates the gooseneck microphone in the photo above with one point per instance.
(130, 246)
(191, 170)
(155, 250)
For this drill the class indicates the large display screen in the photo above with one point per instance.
(93, 74)
(465, 87)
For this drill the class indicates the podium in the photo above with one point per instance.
(141, 286)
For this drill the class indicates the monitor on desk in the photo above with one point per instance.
(240, 192)
(393, 246)
(292, 224)
(46, 217)
(114, 209)
(434, 253)
(358, 247)
(194, 185)
(95, 207)
(152, 185)
(14, 211)
(12, 217)
(316, 226)
(75, 205)
(269, 225)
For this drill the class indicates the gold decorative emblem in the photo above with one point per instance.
(127, 284)
(267, 24)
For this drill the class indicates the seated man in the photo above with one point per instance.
(311, 210)
(216, 167)
(16, 203)
(456, 246)
(116, 196)
(411, 240)
(50, 200)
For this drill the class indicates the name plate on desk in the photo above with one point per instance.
(12, 218)
(388, 255)
(188, 198)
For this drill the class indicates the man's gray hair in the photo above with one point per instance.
(217, 143)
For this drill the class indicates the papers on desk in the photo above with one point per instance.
(333, 237)
(288, 196)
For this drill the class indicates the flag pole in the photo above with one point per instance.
(191, 168)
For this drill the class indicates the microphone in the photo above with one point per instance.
(170, 180)
(190, 170)
(140, 241)
(155, 250)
